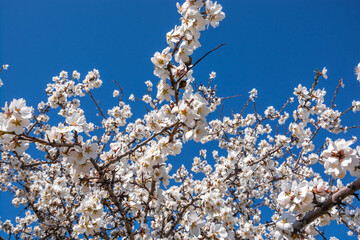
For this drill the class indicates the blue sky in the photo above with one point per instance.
(270, 45)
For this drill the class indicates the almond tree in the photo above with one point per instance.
(113, 179)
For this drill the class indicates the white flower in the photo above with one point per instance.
(199, 132)
(298, 198)
(19, 106)
(323, 73)
(303, 196)
(76, 75)
(132, 97)
(253, 94)
(194, 224)
(184, 52)
(91, 207)
(161, 60)
(146, 98)
(16, 124)
(212, 75)
(116, 93)
(16, 116)
(357, 72)
(313, 158)
(339, 157)
(76, 122)
(149, 85)
(89, 150)
(214, 13)
(355, 106)
(172, 37)
(63, 74)
(284, 226)
(164, 91)
(218, 231)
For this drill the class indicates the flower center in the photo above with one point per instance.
(339, 155)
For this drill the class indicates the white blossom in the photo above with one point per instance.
(323, 73)
(339, 157)
(110, 176)
(357, 72)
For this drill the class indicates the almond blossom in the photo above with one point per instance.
(357, 72)
(339, 158)
(260, 174)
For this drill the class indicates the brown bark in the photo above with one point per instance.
(331, 201)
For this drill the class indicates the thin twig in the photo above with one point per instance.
(176, 46)
(97, 104)
(121, 90)
(38, 140)
(244, 107)
(37, 120)
(336, 91)
(200, 60)
(222, 108)
(224, 98)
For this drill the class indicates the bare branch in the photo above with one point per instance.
(200, 60)
(97, 104)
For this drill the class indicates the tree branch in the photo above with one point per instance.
(199, 61)
(330, 202)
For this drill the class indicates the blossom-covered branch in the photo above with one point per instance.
(114, 179)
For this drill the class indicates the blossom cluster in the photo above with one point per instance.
(183, 40)
(15, 118)
(339, 158)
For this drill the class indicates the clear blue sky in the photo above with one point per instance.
(271, 46)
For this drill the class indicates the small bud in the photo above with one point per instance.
(182, 84)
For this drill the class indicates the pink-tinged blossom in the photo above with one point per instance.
(339, 158)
